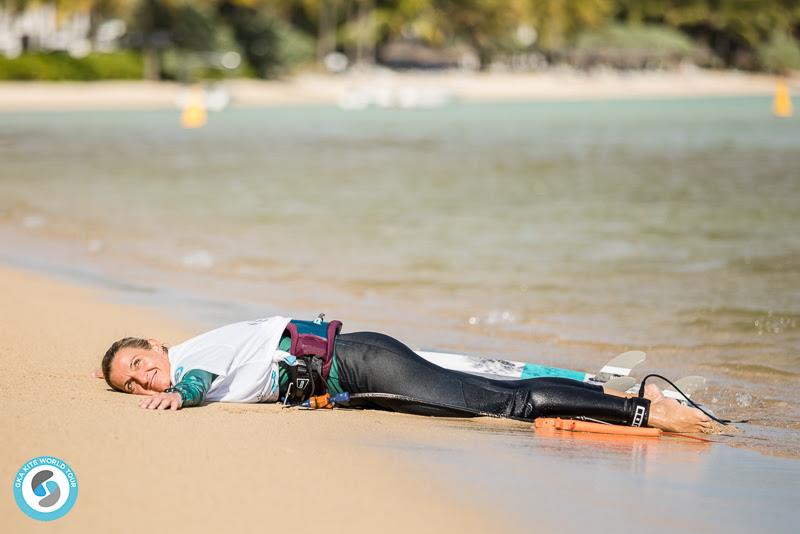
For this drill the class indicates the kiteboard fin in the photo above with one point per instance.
(620, 365)
(688, 385)
(691, 384)
(621, 383)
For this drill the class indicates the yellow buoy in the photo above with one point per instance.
(782, 103)
(194, 112)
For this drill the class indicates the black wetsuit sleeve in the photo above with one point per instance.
(193, 387)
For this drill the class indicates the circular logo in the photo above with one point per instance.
(45, 488)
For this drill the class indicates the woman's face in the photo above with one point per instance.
(141, 371)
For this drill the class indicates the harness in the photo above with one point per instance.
(312, 347)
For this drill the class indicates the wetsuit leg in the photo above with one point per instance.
(375, 363)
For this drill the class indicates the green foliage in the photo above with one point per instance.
(189, 67)
(780, 54)
(257, 36)
(747, 21)
(151, 16)
(732, 29)
(200, 59)
(61, 67)
(559, 21)
(275, 36)
(294, 48)
(193, 29)
(479, 23)
(660, 39)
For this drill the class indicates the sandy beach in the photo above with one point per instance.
(314, 89)
(228, 468)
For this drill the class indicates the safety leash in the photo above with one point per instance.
(685, 396)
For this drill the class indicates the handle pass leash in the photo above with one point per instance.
(685, 396)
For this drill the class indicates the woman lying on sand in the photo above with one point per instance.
(276, 358)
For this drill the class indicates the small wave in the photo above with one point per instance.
(33, 222)
(784, 263)
(775, 324)
(762, 322)
(95, 246)
(754, 369)
(744, 400)
(200, 259)
(428, 264)
(701, 266)
(494, 317)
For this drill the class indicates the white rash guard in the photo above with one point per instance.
(244, 356)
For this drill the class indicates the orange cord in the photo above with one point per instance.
(688, 436)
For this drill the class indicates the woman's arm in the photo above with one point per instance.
(190, 391)
(193, 387)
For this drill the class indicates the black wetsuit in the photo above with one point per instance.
(369, 362)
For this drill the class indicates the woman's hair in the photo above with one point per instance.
(111, 353)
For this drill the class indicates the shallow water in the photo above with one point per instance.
(574, 482)
(560, 233)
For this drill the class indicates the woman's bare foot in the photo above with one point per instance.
(672, 416)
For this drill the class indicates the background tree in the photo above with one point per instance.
(270, 34)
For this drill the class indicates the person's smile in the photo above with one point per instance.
(136, 370)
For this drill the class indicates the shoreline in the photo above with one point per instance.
(316, 89)
(470, 475)
(164, 294)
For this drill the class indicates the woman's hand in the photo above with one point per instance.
(162, 401)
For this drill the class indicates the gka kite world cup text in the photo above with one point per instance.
(45, 488)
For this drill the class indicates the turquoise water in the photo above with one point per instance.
(560, 232)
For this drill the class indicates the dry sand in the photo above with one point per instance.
(224, 467)
(464, 86)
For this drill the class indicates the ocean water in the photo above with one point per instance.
(560, 233)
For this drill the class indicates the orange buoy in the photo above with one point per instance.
(572, 425)
(194, 112)
(782, 103)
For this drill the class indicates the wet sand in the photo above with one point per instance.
(254, 467)
(317, 89)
